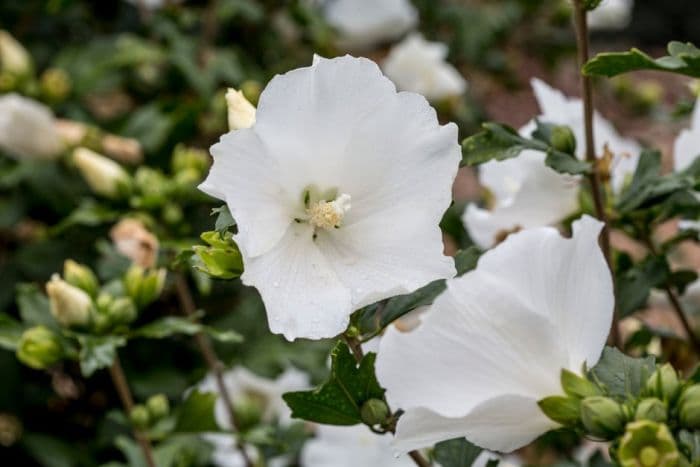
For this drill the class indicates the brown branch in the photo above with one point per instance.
(212, 360)
(581, 26)
(122, 387)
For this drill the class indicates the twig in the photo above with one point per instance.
(212, 360)
(357, 352)
(581, 27)
(122, 387)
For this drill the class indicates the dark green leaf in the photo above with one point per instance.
(456, 452)
(682, 59)
(566, 163)
(634, 283)
(98, 352)
(34, 306)
(338, 400)
(465, 260)
(10, 332)
(622, 376)
(196, 413)
(681, 279)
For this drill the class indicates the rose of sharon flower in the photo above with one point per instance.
(365, 23)
(27, 129)
(494, 343)
(611, 15)
(242, 384)
(417, 65)
(337, 189)
(525, 192)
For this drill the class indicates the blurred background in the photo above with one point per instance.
(143, 81)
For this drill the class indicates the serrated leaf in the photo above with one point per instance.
(456, 453)
(10, 332)
(622, 376)
(682, 59)
(196, 413)
(97, 352)
(338, 400)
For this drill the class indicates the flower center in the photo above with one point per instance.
(649, 456)
(328, 214)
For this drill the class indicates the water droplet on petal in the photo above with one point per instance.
(275, 284)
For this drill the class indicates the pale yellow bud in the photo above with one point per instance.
(104, 176)
(70, 306)
(14, 58)
(241, 113)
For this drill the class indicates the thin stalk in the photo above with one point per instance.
(212, 360)
(356, 349)
(582, 46)
(122, 387)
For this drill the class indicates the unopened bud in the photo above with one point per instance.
(104, 176)
(651, 409)
(39, 348)
(185, 157)
(55, 84)
(664, 383)
(689, 407)
(158, 406)
(648, 444)
(139, 416)
(69, 305)
(578, 386)
(561, 409)
(374, 412)
(14, 58)
(248, 410)
(602, 417)
(121, 310)
(144, 286)
(241, 113)
(563, 139)
(80, 276)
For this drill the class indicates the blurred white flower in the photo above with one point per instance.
(494, 343)
(104, 176)
(350, 446)
(611, 15)
(362, 24)
(27, 129)
(241, 113)
(420, 66)
(338, 190)
(14, 58)
(525, 193)
(153, 4)
(245, 386)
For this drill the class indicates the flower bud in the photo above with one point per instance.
(374, 412)
(143, 286)
(158, 406)
(664, 383)
(248, 410)
(39, 348)
(648, 444)
(121, 310)
(602, 417)
(561, 409)
(578, 386)
(133, 240)
(189, 158)
(563, 139)
(80, 276)
(14, 58)
(28, 129)
(241, 113)
(69, 305)
(139, 416)
(154, 188)
(689, 407)
(55, 84)
(104, 176)
(651, 409)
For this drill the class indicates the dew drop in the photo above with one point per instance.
(275, 284)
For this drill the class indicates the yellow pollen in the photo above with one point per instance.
(328, 214)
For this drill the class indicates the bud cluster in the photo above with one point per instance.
(156, 408)
(220, 258)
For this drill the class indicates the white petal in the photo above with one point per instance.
(503, 424)
(611, 15)
(246, 177)
(302, 294)
(565, 279)
(531, 195)
(27, 129)
(488, 344)
(687, 146)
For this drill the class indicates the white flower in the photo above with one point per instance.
(365, 23)
(338, 190)
(104, 176)
(69, 305)
(27, 129)
(14, 58)
(495, 341)
(611, 14)
(524, 192)
(241, 113)
(350, 446)
(417, 65)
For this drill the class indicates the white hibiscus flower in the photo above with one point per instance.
(420, 66)
(524, 192)
(338, 190)
(611, 15)
(365, 23)
(494, 343)
(27, 129)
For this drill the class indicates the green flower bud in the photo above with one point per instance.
(55, 84)
(158, 406)
(172, 213)
(121, 311)
(153, 186)
(689, 407)
(80, 276)
(664, 383)
(39, 347)
(563, 139)
(104, 176)
(69, 305)
(561, 409)
(374, 412)
(248, 410)
(143, 286)
(651, 409)
(578, 386)
(602, 417)
(648, 444)
(188, 158)
(139, 416)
